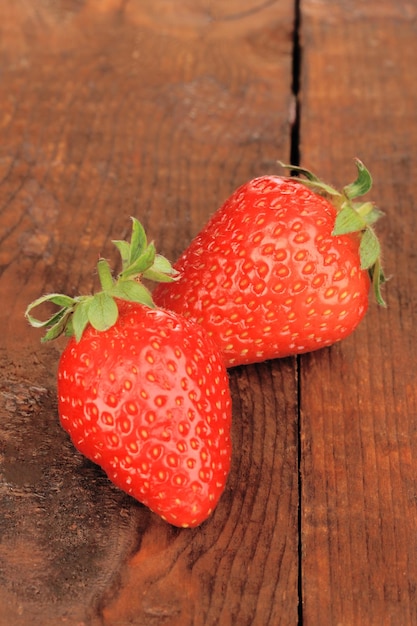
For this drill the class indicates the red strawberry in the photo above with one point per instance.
(283, 267)
(147, 400)
(143, 392)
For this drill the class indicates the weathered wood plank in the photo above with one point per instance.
(111, 109)
(358, 399)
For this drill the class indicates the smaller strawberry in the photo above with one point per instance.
(283, 267)
(143, 392)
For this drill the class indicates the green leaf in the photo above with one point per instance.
(159, 277)
(312, 181)
(69, 331)
(361, 185)
(33, 321)
(300, 170)
(138, 241)
(144, 262)
(80, 318)
(61, 300)
(348, 221)
(378, 278)
(369, 249)
(133, 291)
(161, 271)
(57, 329)
(54, 319)
(373, 216)
(124, 250)
(66, 302)
(102, 311)
(161, 264)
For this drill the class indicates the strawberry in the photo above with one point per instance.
(143, 392)
(283, 267)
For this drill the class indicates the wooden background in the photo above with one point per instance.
(160, 109)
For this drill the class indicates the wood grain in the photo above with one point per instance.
(111, 109)
(358, 399)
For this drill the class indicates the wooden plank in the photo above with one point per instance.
(358, 399)
(111, 109)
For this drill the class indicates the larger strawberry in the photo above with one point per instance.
(143, 392)
(283, 267)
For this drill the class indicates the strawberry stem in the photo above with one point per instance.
(100, 309)
(353, 217)
(105, 275)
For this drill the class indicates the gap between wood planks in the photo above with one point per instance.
(295, 160)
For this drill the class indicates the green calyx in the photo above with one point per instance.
(353, 216)
(139, 260)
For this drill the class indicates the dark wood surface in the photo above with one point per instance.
(158, 109)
